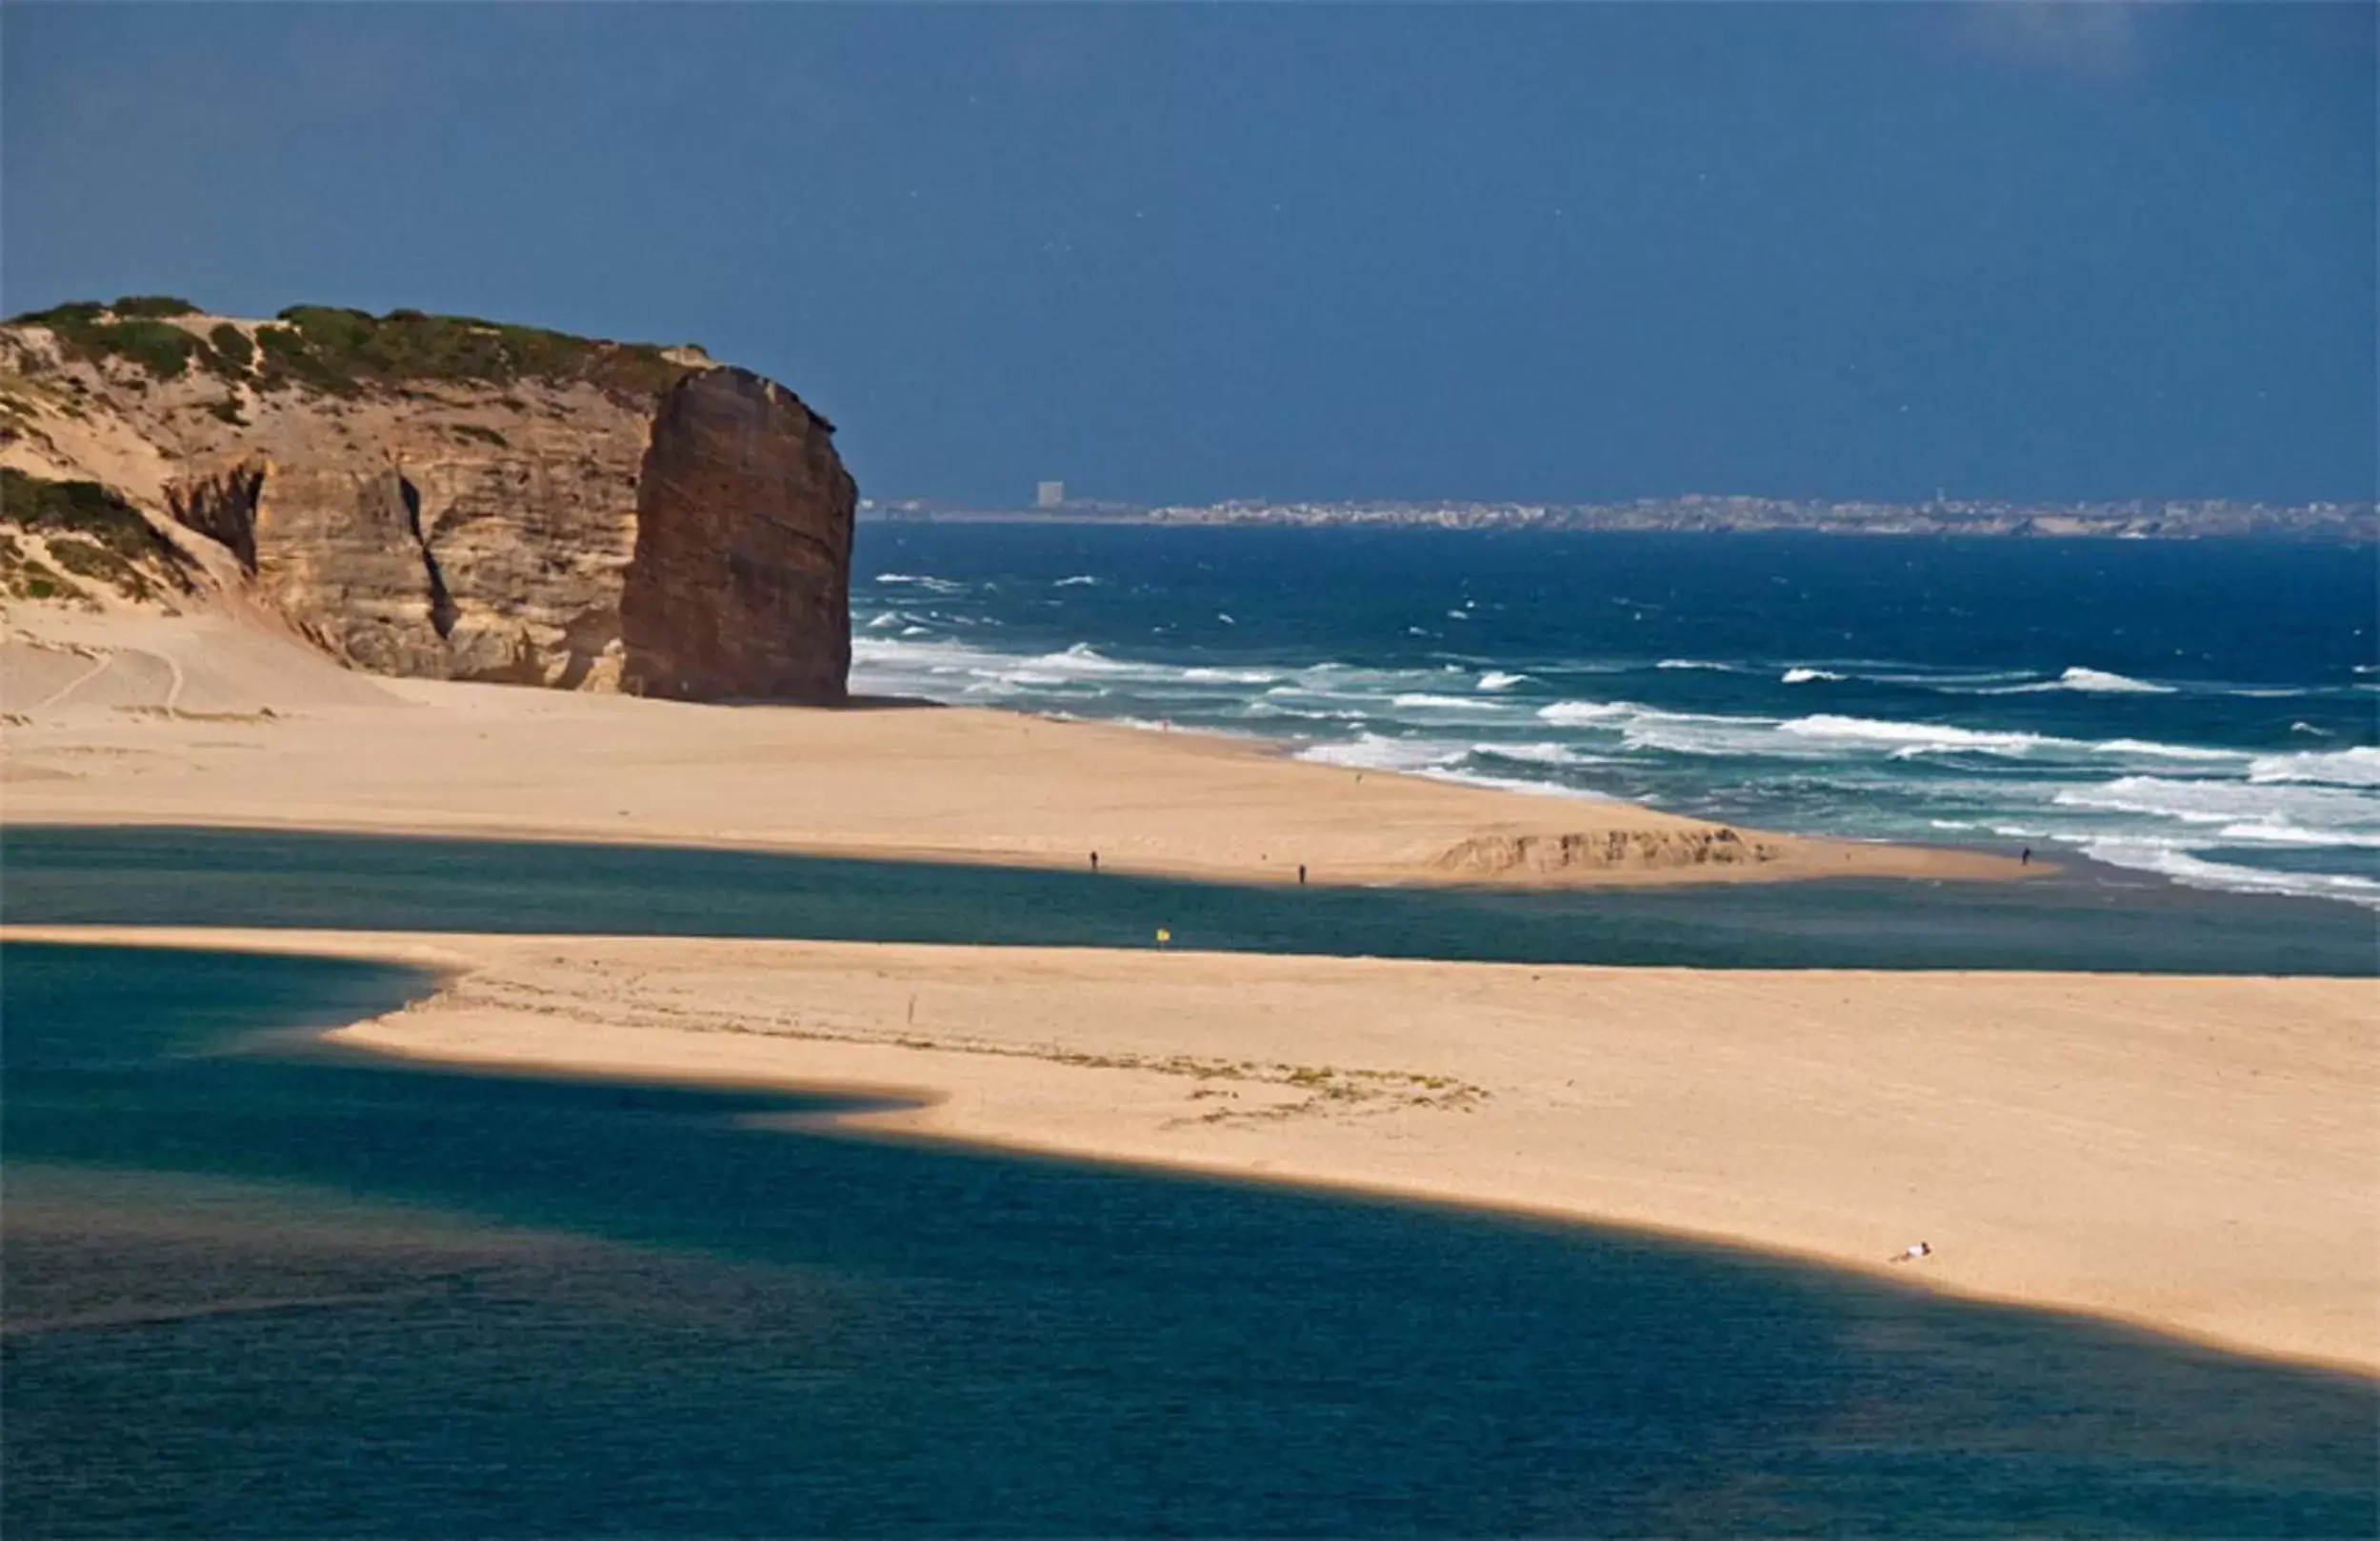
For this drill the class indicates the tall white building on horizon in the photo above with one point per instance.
(1049, 495)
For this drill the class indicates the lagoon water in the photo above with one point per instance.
(2206, 712)
(257, 1287)
(2094, 918)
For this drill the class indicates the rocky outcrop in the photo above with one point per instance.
(454, 499)
(740, 583)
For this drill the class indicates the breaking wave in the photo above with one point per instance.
(2103, 683)
(1573, 712)
(932, 585)
(1911, 738)
(2359, 767)
(2192, 870)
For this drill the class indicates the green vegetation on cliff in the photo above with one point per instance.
(154, 306)
(88, 530)
(91, 332)
(231, 344)
(346, 352)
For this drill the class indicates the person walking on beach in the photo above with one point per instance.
(2024, 860)
(1095, 861)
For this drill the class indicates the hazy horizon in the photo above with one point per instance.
(1183, 254)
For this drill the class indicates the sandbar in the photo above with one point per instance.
(2195, 1155)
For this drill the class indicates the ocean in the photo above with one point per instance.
(260, 1286)
(2205, 711)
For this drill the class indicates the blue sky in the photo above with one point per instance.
(1200, 251)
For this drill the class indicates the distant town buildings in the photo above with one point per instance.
(2356, 523)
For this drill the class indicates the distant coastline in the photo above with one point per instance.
(2342, 523)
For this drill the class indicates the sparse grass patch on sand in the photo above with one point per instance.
(89, 531)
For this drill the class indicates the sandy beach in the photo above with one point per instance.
(138, 718)
(2190, 1154)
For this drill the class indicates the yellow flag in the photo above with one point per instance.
(1164, 935)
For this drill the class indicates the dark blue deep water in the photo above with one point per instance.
(2205, 711)
(258, 1288)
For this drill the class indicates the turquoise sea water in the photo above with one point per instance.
(256, 1287)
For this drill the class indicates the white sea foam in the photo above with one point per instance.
(1576, 713)
(1433, 758)
(1534, 788)
(1081, 658)
(2292, 834)
(2088, 680)
(1907, 738)
(1229, 677)
(2357, 767)
(2221, 800)
(1538, 754)
(1371, 751)
(2164, 752)
(925, 581)
(2173, 861)
(1696, 663)
(2101, 682)
(1262, 709)
(2165, 807)
(1080, 580)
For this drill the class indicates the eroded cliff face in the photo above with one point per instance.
(740, 583)
(457, 500)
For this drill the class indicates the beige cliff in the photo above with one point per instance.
(444, 498)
